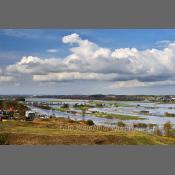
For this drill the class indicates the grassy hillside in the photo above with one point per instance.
(47, 132)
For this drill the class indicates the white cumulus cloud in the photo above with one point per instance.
(128, 67)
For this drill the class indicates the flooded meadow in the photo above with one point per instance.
(106, 112)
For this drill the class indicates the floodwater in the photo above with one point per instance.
(156, 111)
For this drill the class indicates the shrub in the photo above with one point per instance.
(144, 112)
(89, 122)
(167, 128)
(4, 139)
(121, 124)
(65, 105)
(99, 105)
(167, 125)
(140, 125)
(158, 132)
(167, 114)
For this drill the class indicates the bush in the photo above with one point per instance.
(65, 105)
(167, 125)
(121, 124)
(167, 128)
(140, 125)
(4, 139)
(167, 114)
(89, 122)
(144, 112)
(158, 132)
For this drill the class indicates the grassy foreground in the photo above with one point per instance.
(47, 132)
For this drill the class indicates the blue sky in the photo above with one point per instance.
(38, 41)
(88, 61)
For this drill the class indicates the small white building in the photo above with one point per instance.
(30, 115)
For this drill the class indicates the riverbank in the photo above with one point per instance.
(49, 132)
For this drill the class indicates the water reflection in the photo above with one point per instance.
(156, 111)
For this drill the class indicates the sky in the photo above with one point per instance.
(87, 61)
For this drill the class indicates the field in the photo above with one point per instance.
(118, 116)
(48, 132)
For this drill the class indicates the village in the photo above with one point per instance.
(12, 109)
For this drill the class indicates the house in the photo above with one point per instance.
(6, 114)
(173, 98)
(30, 115)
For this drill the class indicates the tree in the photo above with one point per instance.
(89, 122)
(65, 105)
(75, 105)
(121, 124)
(167, 128)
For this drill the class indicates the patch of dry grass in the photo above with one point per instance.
(46, 131)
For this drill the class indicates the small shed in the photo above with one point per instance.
(30, 115)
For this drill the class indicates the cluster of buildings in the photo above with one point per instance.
(7, 114)
(168, 99)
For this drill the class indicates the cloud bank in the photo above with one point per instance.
(125, 67)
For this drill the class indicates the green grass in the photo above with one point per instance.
(118, 116)
(116, 104)
(61, 109)
(82, 107)
(97, 103)
(121, 105)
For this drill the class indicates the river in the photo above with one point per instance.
(132, 108)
